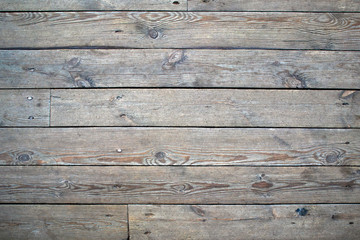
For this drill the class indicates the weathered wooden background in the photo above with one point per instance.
(179, 119)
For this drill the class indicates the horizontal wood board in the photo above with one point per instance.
(205, 107)
(244, 222)
(179, 68)
(317, 31)
(39, 222)
(179, 146)
(178, 185)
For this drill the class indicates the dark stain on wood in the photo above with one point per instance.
(262, 184)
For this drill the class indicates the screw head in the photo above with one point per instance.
(119, 150)
(30, 98)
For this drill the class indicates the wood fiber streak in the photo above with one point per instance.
(274, 5)
(24, 108)
(174, 146)
(179, 185)
(89, 5)
(63, 222)
(179, 68)
(327, 31)
(206, 222)
(205, 107)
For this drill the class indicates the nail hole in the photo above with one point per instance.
(118, 31)
(29, 98)
(345, 103)
(347, 142)
(31, 117)
(302, 211)
(119, 97)
(122, 115)
(176, 2)
(351, 222)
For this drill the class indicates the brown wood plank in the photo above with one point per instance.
(81, 5)
(179, 68)
(274, 5)
(63, 222)
(24, 107)
(205, 107)
(244, 222)
(179, 185)
(330, 31)
(174, 146)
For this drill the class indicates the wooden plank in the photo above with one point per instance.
(89, 5)
(179, 68)
(63, 222)
(274, 5)
(178, 185)
(330, 31)
(205, 107)
(24, 107)
(244, 222)
(191, 146)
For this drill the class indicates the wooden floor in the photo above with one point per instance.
(187, 119)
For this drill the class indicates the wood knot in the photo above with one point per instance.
(262, 184)
(160, 155)
(74, 62)
(302, 211)
(24, 157)
(182, 188)
(293, 80)
(198, 210)
(153, 33)
(82, 81)
(173, 59)
(330, 156)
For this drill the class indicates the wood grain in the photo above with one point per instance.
(179, 185)
(174, 146)
(63, 222)
(244, 222)
(81, 5)
(274, 5)
(204, 107)
(24, 107)
(179, 68)
(327, 31)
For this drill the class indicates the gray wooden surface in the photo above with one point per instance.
(80, 5)
(204, 107)
(244, 222)
(39, 222)
(274, 5)
(330, 31)
(179, 68)
(24, 107)
(178, 185)
(179, 146)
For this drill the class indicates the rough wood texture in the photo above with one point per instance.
(274, 5)
(331, 31)
(205, 107)
(71, 5)
(245, 222)
(174, 146)
(179, 68)
(179, 185)
(63, 222)
(24, 107)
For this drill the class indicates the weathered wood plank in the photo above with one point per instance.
(191, 146)
(244, 222)
(24, 107)
(185, 185)
(274, 5)
(205, 107)
(330, 31)
(81, 5)
(63, 222)
(179, 68)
